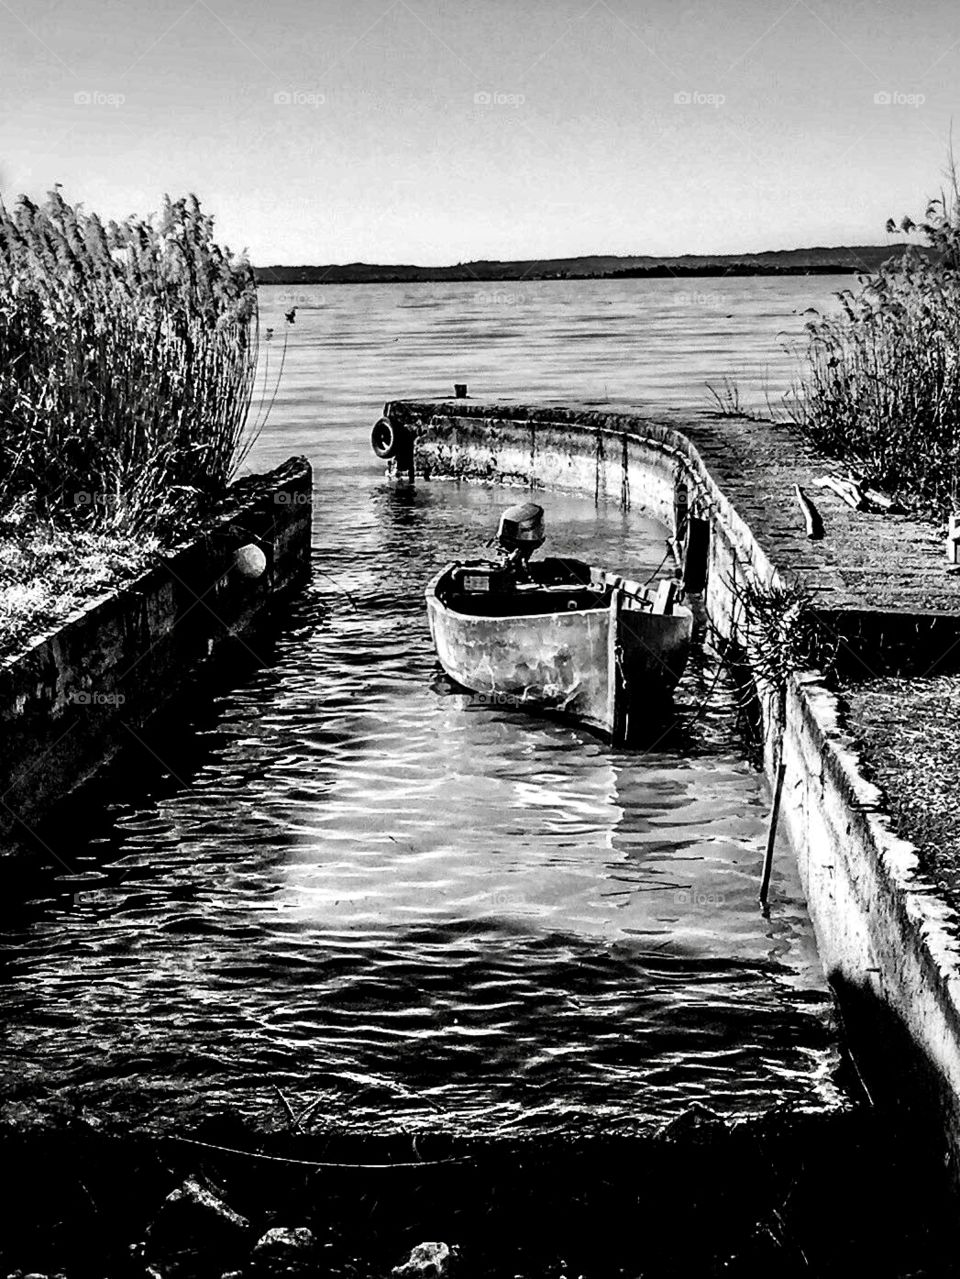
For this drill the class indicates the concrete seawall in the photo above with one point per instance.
(73, 698)
(887, 941)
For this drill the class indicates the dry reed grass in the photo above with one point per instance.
(882, 386)
(127, 361)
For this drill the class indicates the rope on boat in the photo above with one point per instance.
(666, 556)
(722, 666)
(312, 1163)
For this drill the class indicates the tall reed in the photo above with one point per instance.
(127, 361)
(882, 385)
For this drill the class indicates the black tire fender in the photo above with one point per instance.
(385, 439)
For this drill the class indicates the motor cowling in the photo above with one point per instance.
(521, 530)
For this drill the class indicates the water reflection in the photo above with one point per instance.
(349, 880)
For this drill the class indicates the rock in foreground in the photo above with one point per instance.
(194, 1224)
(285, 1250)
(427, 1261)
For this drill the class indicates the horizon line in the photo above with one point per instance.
(579, 257)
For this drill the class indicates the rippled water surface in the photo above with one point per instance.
(348, 880)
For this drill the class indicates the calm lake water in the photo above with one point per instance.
(345, 879)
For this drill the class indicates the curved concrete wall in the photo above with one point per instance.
(886, 941)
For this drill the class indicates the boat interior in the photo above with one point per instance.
(487, 589)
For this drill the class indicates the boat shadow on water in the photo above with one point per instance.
(701, 715)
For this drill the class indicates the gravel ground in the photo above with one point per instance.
(908, 734)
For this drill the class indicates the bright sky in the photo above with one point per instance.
(435, 131)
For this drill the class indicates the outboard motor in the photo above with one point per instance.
(521, 531)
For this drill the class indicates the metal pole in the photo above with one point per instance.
(771, 835)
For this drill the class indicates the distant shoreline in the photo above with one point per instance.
(840, 260)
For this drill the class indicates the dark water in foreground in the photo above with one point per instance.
(349, 881)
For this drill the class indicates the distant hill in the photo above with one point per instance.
(843, 259)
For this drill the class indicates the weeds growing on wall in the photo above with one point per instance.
(782, 634)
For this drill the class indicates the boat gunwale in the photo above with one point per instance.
(430, 593)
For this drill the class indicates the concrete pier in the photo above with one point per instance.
(71, 699)
(888, 940)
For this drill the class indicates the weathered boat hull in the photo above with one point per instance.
(600, 666)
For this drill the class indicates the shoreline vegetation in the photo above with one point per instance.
(881, 388)
(128, 355)
(126, 383)
(840, 260)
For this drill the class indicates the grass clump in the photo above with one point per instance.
(127, 360)
(882, 387)
(725, 399)
(783, 632)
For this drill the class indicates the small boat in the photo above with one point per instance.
(556, 634)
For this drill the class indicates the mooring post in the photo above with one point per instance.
(953, 540)
(771, 835)
(811, 515)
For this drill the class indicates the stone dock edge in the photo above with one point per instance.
(888, 942)
(73, 698)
